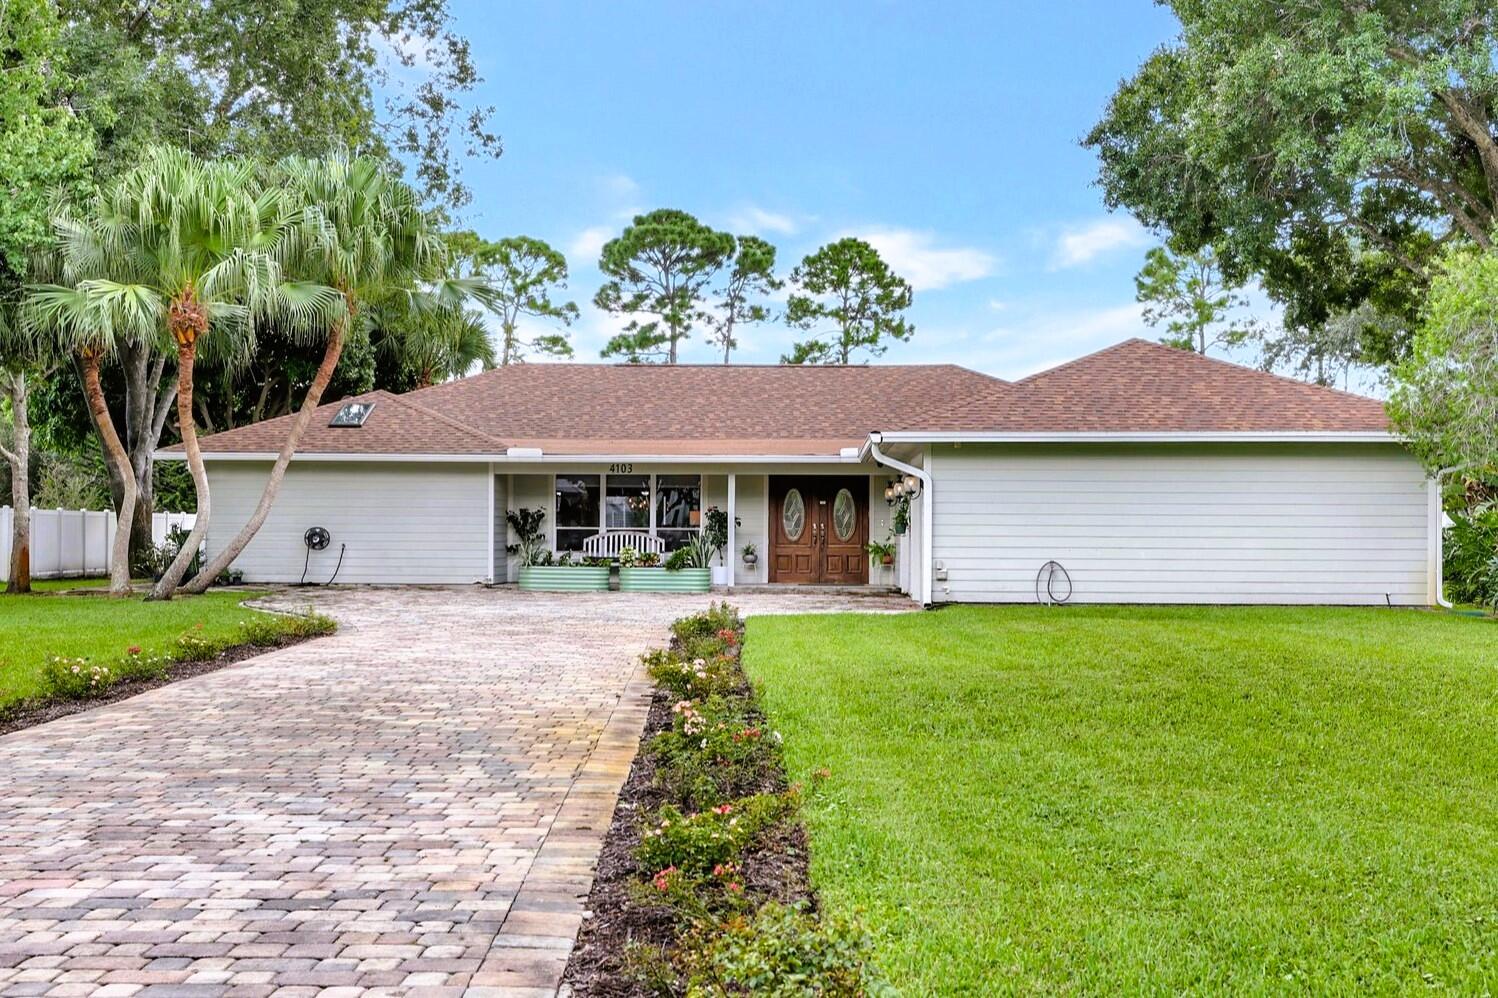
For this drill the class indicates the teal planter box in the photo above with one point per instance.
(564, 578)
(663, 580)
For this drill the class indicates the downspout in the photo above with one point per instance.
(926, 518)
(1440, 535)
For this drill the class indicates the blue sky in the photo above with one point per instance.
(945, 133)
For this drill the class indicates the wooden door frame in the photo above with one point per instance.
(814, 488)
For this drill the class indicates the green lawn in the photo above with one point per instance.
(1117, 800)
(35, 627)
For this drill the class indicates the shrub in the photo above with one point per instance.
(76, 678)
(783, 951)
(715, 751)
(696, 843)
(679, 559)
(1471, 568)
(718, 617)
(693, 678)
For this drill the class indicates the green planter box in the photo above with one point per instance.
(564, 578)
(663, 580)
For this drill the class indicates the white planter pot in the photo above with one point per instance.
(720, 575)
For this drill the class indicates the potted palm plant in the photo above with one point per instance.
(881, 552)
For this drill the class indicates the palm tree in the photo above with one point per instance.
(178, 247)
(91, 320)
(362, 232)
(439, 344)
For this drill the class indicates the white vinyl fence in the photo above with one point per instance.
(67, 543)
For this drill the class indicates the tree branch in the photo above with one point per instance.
(1480, 131)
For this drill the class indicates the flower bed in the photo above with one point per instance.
(73, 683)
(702, 886)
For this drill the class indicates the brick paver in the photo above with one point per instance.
(413, 805)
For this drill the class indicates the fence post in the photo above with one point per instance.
(7, 516)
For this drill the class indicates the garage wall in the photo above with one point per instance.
(1244, 524)
(407, 523)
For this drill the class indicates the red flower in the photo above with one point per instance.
(133, 650)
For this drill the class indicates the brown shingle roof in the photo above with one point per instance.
(730, 410)
(1141, 386)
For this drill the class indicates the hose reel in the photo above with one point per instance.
(318, 539)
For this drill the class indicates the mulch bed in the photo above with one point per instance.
(777, 870)
(28, 712)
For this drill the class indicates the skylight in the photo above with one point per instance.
(352, 415)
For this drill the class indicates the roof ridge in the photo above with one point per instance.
(444, 418)
(1222, 362)
(1077, 360)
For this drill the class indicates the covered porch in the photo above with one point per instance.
(788, 523)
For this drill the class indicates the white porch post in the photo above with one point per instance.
(729, 561)
(490, 476)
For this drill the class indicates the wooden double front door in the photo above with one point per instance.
(818, 529)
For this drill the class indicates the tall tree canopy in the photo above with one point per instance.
(522, 274)
(388, 79)
(267, 78)
(846, 284)
(657, 271)
(44, 150)
(1190, 296)
(1329, 148)
(1445, 397)
(740, 299)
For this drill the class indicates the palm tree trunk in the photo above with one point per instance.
(18, 580)
(119, 558)
(331, 352)
(167, 585)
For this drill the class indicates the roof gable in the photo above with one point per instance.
(1140, 386)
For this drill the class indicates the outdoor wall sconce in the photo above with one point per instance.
(902, 488)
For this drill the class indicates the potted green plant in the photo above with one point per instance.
(900, 515)
(686, 570)
(750, 555)
(716, 535)
(881, 552)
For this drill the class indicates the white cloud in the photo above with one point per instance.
(1045, 337)
(583, 249)
(1084, 243)
(405, 51)
(754, 220)
(916, 257)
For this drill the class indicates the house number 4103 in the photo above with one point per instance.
(621, 469)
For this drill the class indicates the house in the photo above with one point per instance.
(1147, 474)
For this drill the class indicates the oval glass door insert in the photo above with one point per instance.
(793, 515)
(844, 515)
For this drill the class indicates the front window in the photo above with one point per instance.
(577, 510)
(678, 508)
(626, 503)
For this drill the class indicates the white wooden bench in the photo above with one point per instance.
(609, 543)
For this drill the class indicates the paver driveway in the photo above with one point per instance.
(414, 804)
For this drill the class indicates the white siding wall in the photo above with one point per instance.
(753, 509)
(1292, 524)
(410, 523)
(530, 492)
